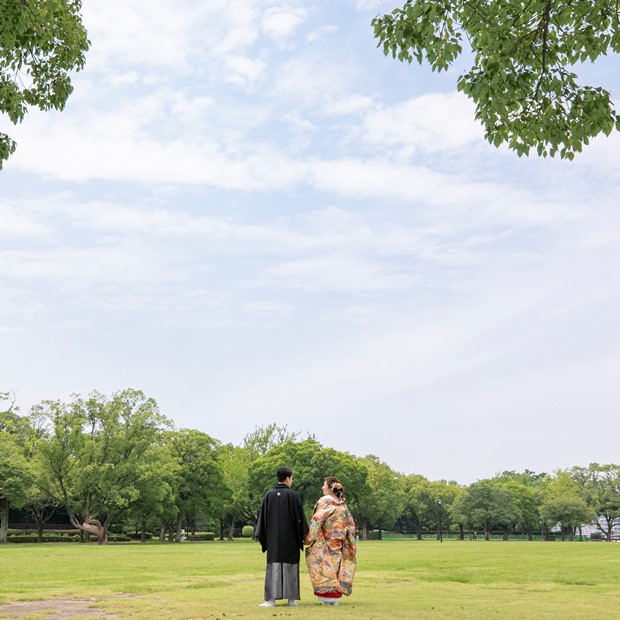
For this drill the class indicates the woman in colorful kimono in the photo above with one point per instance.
(330, 551)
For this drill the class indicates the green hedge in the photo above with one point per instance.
(46, 532)
(138, 536)
(198, 536)
(247, 531)
(118, 538)
(52, 537)
(47, 538)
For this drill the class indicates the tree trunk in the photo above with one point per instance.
(461, 532)
(40, 515)
(487, 532)
(178, 533)
(365, 531)
(505, 534)
(418, 529)
(92, 526)
(4, 520)
(231, 528)
(162, 533)
(143, 532)
(609, 521)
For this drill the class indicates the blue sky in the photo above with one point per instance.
(251, 214)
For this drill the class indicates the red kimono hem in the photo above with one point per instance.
(328, 594)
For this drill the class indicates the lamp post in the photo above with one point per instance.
(440, 515)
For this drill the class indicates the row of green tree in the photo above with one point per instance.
(115, 461)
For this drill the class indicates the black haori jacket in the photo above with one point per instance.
(282, 525)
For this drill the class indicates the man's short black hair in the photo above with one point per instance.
(282, 473)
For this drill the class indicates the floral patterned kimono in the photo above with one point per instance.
(331, 554)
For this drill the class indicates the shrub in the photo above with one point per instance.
(138, 536)
(50, 536)
(46, 532)
(247, 531)
(118, 538)
(47, 538)
(202, 536)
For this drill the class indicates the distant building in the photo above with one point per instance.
(22, 520)
(588, 529)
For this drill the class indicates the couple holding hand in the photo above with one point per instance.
(282, 530)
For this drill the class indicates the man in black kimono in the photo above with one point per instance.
(281, 530)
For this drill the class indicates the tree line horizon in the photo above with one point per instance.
(118, 462)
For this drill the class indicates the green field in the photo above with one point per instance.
(404, 579)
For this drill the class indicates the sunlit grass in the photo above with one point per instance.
(400, 579)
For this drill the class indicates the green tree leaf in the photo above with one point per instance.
(521, 82)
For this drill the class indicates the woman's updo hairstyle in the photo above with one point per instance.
(335, 486)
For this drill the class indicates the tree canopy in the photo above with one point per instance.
(15, 479)
(524, 53)
(93, 456)
(199, 481)
(488, 504)
(41, 42)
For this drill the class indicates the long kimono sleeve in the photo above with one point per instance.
(349, 556)
(302, 523)
(321, 511)
(261, 526)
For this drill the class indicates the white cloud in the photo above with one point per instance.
(118, 264)
(349, 105)
(384, 178)
(141, 33)
(244, 71)
(299, 124)
(15, 223)
(431, 123)
(192, 109)
(280, 23)
(187, 38)
(366, 5)
(601, 159)
(314, 80)
(323, 31)
(339, 273)
(117, 148)
(236, 39)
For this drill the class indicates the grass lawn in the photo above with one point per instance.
(399, 579)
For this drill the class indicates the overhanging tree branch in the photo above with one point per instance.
(521, 82)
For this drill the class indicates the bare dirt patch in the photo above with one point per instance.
(58, 609)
